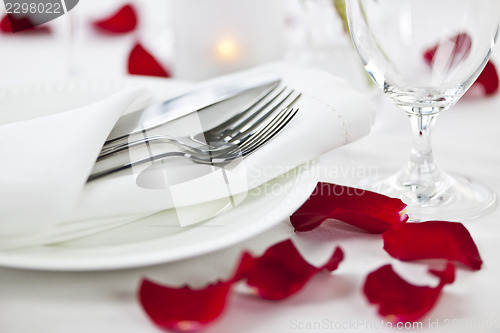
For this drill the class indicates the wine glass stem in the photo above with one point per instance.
(421, 174)
(421, 152)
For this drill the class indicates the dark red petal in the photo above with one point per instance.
(364, 209)
(400, 301)
(432, 240)
(488, 79)
(278, 273)
(461, 49)
(183, 309)
(123, 21)
(141, 62)
(281, 271)
(23, 24)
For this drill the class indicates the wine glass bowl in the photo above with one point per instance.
(424, 55)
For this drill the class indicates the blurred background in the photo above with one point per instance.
(188, 40)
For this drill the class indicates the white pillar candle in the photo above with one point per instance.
(213, 37)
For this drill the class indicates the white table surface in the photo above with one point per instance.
(466, 140)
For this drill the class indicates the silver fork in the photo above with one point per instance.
(263, 134)
(220, 139)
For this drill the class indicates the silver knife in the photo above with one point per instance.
(192, 101)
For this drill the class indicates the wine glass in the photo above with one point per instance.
(424, 55)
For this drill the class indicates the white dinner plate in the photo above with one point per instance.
(156, 239)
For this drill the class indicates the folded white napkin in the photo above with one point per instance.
(46, 162)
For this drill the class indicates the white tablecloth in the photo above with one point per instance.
(466, 140)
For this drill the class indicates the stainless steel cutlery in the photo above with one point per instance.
(245, 131)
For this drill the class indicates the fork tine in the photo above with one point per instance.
(235, 126)
(247, 132)
(234, 120)
(257, 118)
(269, 132)
(256, 131)
(257, 134)
(268, 128)
(259, 138)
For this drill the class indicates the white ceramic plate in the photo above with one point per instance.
(156, 239)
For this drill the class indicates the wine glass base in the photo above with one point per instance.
(453, 198)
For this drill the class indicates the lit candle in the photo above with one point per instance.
(213, 37)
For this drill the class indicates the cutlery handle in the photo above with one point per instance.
(96, 174)
(124, 144)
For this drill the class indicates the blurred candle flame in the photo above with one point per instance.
(226, 49)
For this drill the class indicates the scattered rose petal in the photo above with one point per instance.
(183, 309)
(364, 209)
(278, 273)
(23, 24)
(281, 271)
(455, 50)
(487, 83)
(400, 301)
(123, 21)
(141, 62)
(432, 240)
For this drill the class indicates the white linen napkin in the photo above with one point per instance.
(46, 162)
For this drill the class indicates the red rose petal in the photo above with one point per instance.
(364, 209)
(123, 21)
(183, 309)
(141, 62)
(488, 81)
(22, 23)
(432, 240)
(400, 301)
(278, 273)
(281, 271)
(461, 44)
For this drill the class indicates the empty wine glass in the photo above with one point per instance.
(424, 55)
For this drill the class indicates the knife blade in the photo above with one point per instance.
(199, 98)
